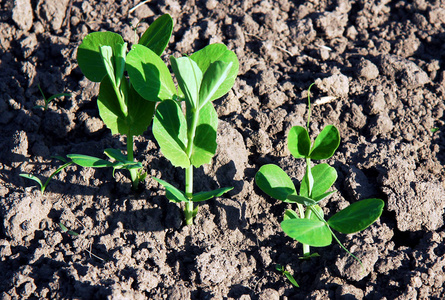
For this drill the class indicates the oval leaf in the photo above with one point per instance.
(298, 142)
(157, 36)
(149, 75)
(212, 79)
(172, 193)
(218, 52)
(204, 143)
(308, 231)
(88, 54)
(89, 161)
(170, 131)
(324, 177)
(326, 143)
(357, 216)
(272, 180)
(189, 78)
(203, 196)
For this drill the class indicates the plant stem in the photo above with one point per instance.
(309, 105)
(188, 210)
(133, 172)
(306, 248)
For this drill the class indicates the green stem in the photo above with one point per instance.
(130, 157)
(306, 248)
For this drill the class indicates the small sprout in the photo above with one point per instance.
(39, 182)
(435, 129)
(288, 275)
(48, 100)
(66, 230)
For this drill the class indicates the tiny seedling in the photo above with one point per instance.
(44, 185)
(189, 140)
(308, 225)
(286, 273)
(48, 100)
(126, 103)
(66, 230)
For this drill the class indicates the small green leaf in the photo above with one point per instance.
(324, 177)
(89, 161)
(323, 196)
(298, 142)
(203, 196)
(32, 177)
(434, 129)
(107, 54)
(308, 231)
(157, 36)
(57, 96)
(172, 193)
(357, 216)
(326, 143)
(204, 143)
(189, 78)
(149, 74)
(291, 278)
(89, 57)
(212, 79)
(115, 154)
(63, 227)
(293, 198)
(218, 52)
(272, 180)
(290, 214)
(170, 131)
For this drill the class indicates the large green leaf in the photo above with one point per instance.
(157, 36)
(149, 74)
(326, 143)
(89, 57)
(170, 131)
(298, 142)
(139, 111)
(89, 161)
(308, 231)
(204, 143)
(189, 78)
(324, 177)
(173, 194)
(218, 52)
(272, 180)
(203, 196)
(212, 79)
(357, 216)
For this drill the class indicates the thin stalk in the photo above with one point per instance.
(307, 248)
(188, 210)
(130, 157)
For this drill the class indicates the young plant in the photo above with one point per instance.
(308, 225)
(287, 274)
(125, 106)
(51, 98)
(189, 140)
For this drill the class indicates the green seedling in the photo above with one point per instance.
(66, 230)
(308, 225)
(434, 129)
(48, 100)
(126, 103)
(288, 275)
(44, 185)
(189, 140)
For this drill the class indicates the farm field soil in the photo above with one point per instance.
(379, 66)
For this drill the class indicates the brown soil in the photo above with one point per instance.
(382, 62)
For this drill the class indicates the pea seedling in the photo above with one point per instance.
(308, 226)
(126, 105)
(189, 140)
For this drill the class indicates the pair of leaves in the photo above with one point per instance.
(191, 139)
(325, 144)
(316, 232)
(102, 58)
(175, 195)
(272, 180)
(170, 130)
(120, 162)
